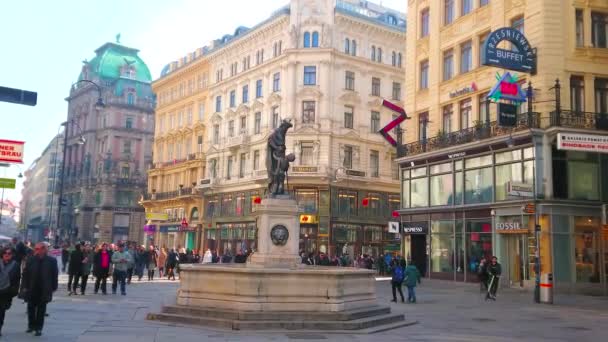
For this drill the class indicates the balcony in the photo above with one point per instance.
(235, 142)
(172, 194)
(581, 120)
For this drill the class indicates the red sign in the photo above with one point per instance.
(509, 88)
(184, 223)
(11, 151)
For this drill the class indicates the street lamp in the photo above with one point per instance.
(99, 105)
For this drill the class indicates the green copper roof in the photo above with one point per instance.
(111, 57)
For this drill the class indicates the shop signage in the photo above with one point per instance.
(507, 88)
(355, 173)
(304, 169)
(507, 115)
(582, 142)
(457, 155)
(529, 208)
(415, 227)
(384, 131)
(11, 151)
(149, 228)
(169, 229)
(393, 227)
(7, 183)
(463, 91)
(157, 216)
(510, 227)
(522, 58)
(520, 189)
(308, 219)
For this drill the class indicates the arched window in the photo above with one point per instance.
(306, 39)
(194, 214)
(380, 55)
(130, 99)
(394, 58)
(373, 53)
(399, 60)
(315, 39)
(346, 46)
(353, 48)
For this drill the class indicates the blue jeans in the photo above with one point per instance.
(119, 276)
(411, 294)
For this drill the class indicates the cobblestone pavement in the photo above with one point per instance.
(445, 311)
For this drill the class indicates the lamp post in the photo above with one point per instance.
(99, 104)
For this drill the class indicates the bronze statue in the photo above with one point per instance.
(277, 162)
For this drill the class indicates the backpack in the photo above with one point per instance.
(398, 275)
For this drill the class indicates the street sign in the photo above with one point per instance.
(7, 183)
(18, 96)
(11, 151)
(157, 216)
(393, 227)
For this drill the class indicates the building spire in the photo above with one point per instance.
(118, 38)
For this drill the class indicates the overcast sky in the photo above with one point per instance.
(44, 43)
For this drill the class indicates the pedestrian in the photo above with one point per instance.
(412, 278)
(482, 275)
(40, 278)
(162, 260)
(494, 270)
(380, 265)
(75, 269)
(207, 258)
(240, 258)
(397, 279)
(172, 260)
(87, 264)
(101, 268)
(141, 259)
(121, 260)
(10, 275)
(152, 262)
(130, 248)
(65, 256)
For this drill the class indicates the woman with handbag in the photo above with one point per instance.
(10, 275)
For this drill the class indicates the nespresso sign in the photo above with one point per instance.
(415, 227)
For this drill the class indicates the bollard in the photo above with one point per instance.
(546, 288)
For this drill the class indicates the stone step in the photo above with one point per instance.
(276, 316)
(364, 325)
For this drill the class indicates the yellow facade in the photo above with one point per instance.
(549, 25)
(179, 160)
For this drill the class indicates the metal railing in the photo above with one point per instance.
(577, 119)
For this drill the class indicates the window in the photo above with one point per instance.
(448, 64)
(306, 39)
(447, 119)
(306, 153)
(310, 75)
(199, 144)
(123, 198)
(373, 53)
(315, 39)
(218, 104)
(231, 128)
(348, 157)
(348, 116)
(229, 168)
(130, 99)
(423, 122)
(347, 46)
(275, 117)
(577, 94)
(397, 91)
(98, 198)
(201, 111)
(483, 2)
(466, 7)
(599, 29)
(243, 126)
(349, 80)
(465, 114)
(482, 42)
(256, 160)
(379, 55)
(399, 59)
(374, 122)
(129, 122)
(601, 95)
(213, 168)
(189, 115)
(257, 123)
(484, 107)
(242, 165)
(126, 146)
(353, 47)
(276, 82)
(374, 164)
(394, 59)
(424, 23)
(245, 93)
(308, 112)
(232, 98)
(216, 134)
(580, 24)
(518, 24)
(180, 119)
(375, 86)
(424, 74)
(466, 57)
(448, 12)
(125, 171)
(258, 89)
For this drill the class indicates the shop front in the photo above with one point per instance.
(231, 238)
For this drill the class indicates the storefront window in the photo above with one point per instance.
(587, 249)
(479, 161)
(505, 174)
(240, 201)
(478, 244)
(307, 200)
(227, 205)
(442, 249)
(345, 232)
(508, 156)
(583, 180)
(393, 203)
(374, 207)
(347, 203)
(418, 172)
(478, 185)
(405, 194)
(459, 194)
(372, 234)
(420, 192)
(442, 190)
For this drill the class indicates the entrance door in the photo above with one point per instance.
(516, 256)
(418, 252)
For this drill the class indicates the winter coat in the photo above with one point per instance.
(162, 258)
(86, 266)
(75, 263)
(6, 295)
(494, 270)
(122, 260)
(412, 276)
(172, 260)
(41, 271)
(98, 271)
(152, 260)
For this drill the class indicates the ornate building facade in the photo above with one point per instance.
(108, 149)
(327, 66)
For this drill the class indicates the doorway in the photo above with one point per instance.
(515, 259)
(418, 252)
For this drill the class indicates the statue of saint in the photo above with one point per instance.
(277, 161)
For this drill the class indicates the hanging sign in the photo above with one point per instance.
(11, 151)
(507, 88)
(157, 216)
(522, 58)
(393, 227)
(582, 142)
(507, 115)
(391, 125)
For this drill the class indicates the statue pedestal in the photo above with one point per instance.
(278, 234)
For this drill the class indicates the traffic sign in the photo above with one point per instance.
(7, 183)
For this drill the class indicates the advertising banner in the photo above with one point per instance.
(582, 142)
(11, 151)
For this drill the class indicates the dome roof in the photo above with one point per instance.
(110, 60)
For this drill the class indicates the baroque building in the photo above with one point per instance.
(108, 149)
(466, 174)
(326, 66)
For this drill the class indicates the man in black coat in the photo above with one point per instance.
(39, 281)
(75, 268)
(10, 275)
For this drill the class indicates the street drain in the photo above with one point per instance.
(577, 328)
(484, 320)
(306, 337)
